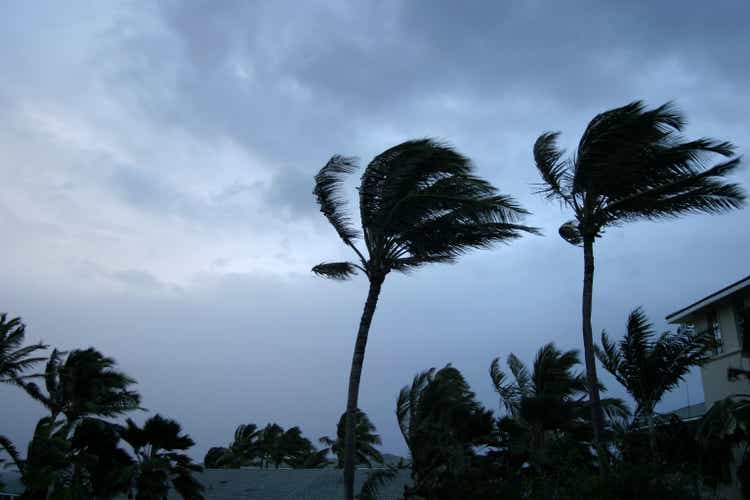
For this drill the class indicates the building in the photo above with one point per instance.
(726, 313)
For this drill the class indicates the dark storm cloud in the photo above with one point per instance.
(207, 120)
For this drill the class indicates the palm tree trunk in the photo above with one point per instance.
(597, 416)
(652, 435)
(356, 372)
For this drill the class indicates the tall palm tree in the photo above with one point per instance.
(442, 423)
(14, 359)
(365, 439)
(648, 366)
(547, 406)
(419, 203)
(159, 463)
(631, 164)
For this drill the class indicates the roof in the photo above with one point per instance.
(288, 484)
(689, 412)
(685, 312)
(271, 484)
(10, 483)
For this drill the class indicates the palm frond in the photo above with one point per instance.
(507, 392)
(521, 374)
(7, 445)
(327, 191)
(375, 481)
(335, 270)
(553, 169)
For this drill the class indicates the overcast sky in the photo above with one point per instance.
(157, 161)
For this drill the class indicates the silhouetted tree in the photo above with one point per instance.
(442, 424)
(15, 359)
(364, 436)
(86, 383)
(242, 451)
(419, 203)
(159, 463)
(648, 366)
(548, 412)
(631, 164)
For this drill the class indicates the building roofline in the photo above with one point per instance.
(676, 316)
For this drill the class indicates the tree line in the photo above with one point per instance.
(76, 450)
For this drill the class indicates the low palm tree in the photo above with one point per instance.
(420, 203)
(548, 407)
(86, 383)
(648, 366)
(631, 164)
(365, 438)
(15, 359)
(443, 424)
(160, 465)
(83, 385)
(242, 451)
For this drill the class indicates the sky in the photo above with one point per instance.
(157, 162)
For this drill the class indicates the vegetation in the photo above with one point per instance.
(420, 203)
(271, 445)
(648, 366)
(553, 436)
(631, 164)
(364, 437)
(159, 463)
(74, 452)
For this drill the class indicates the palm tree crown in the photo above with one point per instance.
(86, 383)
(14, 359)
(419, 203)
(647, 365)
(632, 164)
(365, 437)
(159, 463)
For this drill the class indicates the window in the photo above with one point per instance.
(715, 327)
(741, 318)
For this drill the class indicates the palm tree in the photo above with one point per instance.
(631, 164)
(85, 384)
(419, 203)
(365, 440)
(648, 366)
(547, 407)
(159, 463)
(242, 451)
(442, 423)
(14, 359)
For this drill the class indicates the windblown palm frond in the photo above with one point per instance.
(15, 359)
(631, 164)
(7, 446)
(419, 203)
